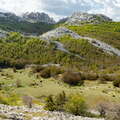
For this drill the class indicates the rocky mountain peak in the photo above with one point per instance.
(79, 18)
(38, 17)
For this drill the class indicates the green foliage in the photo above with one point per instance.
(17, 50)
(9, 99)
(94, 57)
(56, 103)
(76, 105)
(25, 27)
(108, 32)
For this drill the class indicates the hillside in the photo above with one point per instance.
(64, 71)
(107, 32)
(61, 46)
(11, 22)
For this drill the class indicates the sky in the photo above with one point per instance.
(62, 8)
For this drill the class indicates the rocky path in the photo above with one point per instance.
(61, 31)
(35, 113)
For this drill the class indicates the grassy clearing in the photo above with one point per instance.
(93, 91)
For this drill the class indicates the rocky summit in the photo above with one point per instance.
(38, 17)
(79, 18)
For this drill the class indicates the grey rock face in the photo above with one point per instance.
(38, 17)
(79, 18)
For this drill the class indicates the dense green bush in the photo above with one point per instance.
(73, 78)
(56, 103)
(76, 105)
(106, 77)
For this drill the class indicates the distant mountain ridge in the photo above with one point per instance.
(38, 17)
(28, 17)
(33, 23)
(36, 23)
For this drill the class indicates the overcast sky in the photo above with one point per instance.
(61, 8)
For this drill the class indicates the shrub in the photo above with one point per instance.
(46, 73)
(72, 78)
(51, 71)
(56, 102)
(116, 83)
(76, 105)
(50, 105)
(37, 69)
(105, 77)
(56, 70)
(90, 76)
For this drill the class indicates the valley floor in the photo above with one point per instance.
(93, 91)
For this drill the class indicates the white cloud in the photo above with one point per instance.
(60, 8)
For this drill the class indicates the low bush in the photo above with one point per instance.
(36, 69)
(73, 78)
(116, 83)
(76, 105)
(56, 103)
(47, 72)
(90, 76)
(105, 77)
